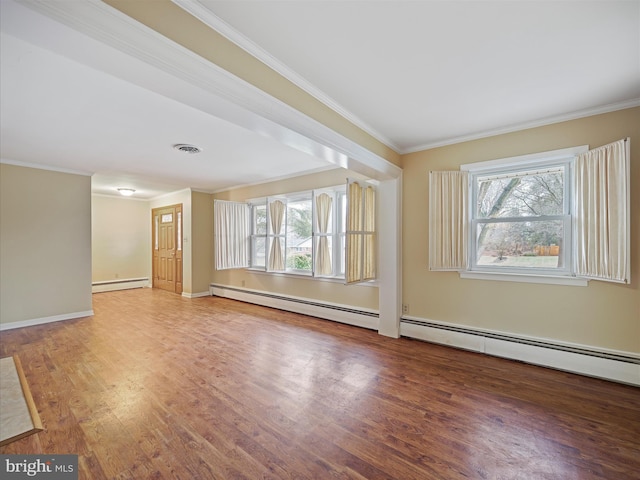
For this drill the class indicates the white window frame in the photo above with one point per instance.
(289, 199)
(565, 275)
(254, 235)
(338, 194)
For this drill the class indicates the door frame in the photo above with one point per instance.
(178, 242)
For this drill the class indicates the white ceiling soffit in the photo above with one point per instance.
(117, 112)
(420, 74)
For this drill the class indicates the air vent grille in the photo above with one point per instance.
(183, 147)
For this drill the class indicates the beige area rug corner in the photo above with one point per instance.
(18, 413)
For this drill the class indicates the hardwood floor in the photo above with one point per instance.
(155, 385)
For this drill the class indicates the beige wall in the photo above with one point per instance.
(353, 295)
(45, 244)
(121, 238)
(202, 241)
(603, 315)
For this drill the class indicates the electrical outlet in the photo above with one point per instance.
(242, 283)
(405, 308)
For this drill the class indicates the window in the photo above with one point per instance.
(302, 233)
(258, 256)
(554, 215)
(299, 241)
(520, 218)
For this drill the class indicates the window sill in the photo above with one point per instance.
(524, 278)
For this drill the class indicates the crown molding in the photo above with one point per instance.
(613, 107)
(206, 16)
(243, 103)
(50, 168)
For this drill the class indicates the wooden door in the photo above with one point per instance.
(167, 248)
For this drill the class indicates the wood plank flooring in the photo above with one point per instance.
(158, 386)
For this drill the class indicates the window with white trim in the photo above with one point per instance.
(521, 218)
(301, 233)
(550, 217)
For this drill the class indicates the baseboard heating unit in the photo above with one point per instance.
(119, 284)
(330, 311)
(613, 365)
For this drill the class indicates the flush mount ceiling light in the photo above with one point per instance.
(183, 147)
(127, 192)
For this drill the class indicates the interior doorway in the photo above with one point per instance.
(166, 246)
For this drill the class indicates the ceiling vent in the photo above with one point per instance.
(183, 147)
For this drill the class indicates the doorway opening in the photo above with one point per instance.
(166, 238)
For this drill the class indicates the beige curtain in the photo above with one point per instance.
(448, 219)
(361, 247)
(324, 265)
(602, 213)
(354, 239)
(276, 215)
(232, 231)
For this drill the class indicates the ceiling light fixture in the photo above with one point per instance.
(127, 192)
(183, 147)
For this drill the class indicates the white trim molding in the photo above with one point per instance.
(196, 295)
(50, 168)
(618, 366)
(43, 320)
(202, 12)
(230, 98)
(356, 316)
(525, 278)
(612, 107)
(119, 284)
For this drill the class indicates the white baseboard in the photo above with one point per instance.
(613, 365)
(40, 321)
(359, 317)
(196, 295)
(120, 284)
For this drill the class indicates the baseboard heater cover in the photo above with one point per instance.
(329, 311)
(119, 284)
(617, 366)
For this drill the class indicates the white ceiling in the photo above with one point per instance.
(414, 74)
(425, 73)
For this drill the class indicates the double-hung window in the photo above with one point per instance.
(558, 215)
(521, 218)
(326, 233)
(301, 233)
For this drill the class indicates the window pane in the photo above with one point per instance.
(299, 242)
(521, 194)
(528, 244)
(157, 222)
(341, 256)
(260, 219)
(342, 212)
(258, 252)
(179, 231)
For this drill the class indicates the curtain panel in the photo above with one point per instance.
(232, 229)
(324, 265)
(276, 254)
(360, 261)
(602, 214)
(448, 220)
